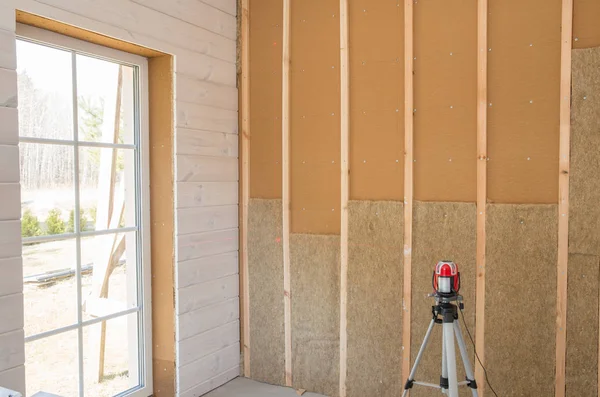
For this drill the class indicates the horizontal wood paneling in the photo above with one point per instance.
(205, 269)
(206, 169)
(12, 353)
(206, 93)
(198, 194)
(212, 383)
(206, 143)
(204, 219)
(9, 126)
(8, 88)
(209, 317)
(14, 379)
(11, 313)
(191, 246)
(197, 14)
(208, 367)
(11, 281)
(7, 17)
(208, 293)
(207, 343)
(9, 164)
(205, 68)
(200, 117)
(8, 58)
(11, 201)
(229, 6)
(10, 239)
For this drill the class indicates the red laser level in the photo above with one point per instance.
(446, 278)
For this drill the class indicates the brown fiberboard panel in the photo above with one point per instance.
(445, 81)
(265, 271)
(520, 301)
(375, 261)
(376, 35)
(315, 295)
(441, 231)
(582, 326)
(314, 116)
(266, 19)
(523, 96)
(584, 184)
(586, 29)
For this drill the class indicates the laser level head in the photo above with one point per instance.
(446, 278)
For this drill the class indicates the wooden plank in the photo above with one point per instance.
(408, 182)
(14, 379)
(199, 245)
(229, 6)
(205, 269)
(9, 164)
(200, 194)
(8, 51)
(206, 169)
(7, 17)
(209, 342)
(8, 88)
(209, 317)
(285, 174)
(10, 239)
(9, 126)
(201, 370)
(206, 93)
(212, 383)
(481, 188)
(197, 14)
(245, 184)
(11, 281)
(200, 117)
(11, 313)
(345, 190)
(12, 353)
(205, 219)
(206, 143)
(205, 68)
(208, 293)
(563, 195)
(11, 201)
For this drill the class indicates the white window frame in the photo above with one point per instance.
(142, 165)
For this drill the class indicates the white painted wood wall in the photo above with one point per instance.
(201, 34)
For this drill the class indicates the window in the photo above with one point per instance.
(83, 130)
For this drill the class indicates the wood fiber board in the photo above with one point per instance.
(375, 259)
(584, 183)
(523, 96)
(520, 299)
(265, 272)
(265, 41)
(445, 99)
(586, 29)
(582, 326)
(376, 37)
(315, 295)
(315, 117)
(441, 231)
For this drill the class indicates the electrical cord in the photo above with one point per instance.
(476, 355)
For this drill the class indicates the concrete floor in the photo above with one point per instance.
(242, 387)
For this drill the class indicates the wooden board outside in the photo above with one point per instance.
(586, 29)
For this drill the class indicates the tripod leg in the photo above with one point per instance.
(413, 371)
(444, 377)
(451, 359)
(465, 358)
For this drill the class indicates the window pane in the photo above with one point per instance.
(107, 188)
(53, 365)
(120, 371)
(105, 101)
(112, 285)
(45, 91)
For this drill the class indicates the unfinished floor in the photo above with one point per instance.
(242, 387)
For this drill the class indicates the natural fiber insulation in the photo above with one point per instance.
(441, 231)
(265, 272)
(520, 299)
(375, 298)
(315, 278)
(582, 326)
(584, 196)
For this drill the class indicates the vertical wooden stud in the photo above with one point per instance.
(408, 182)
(245, 181)
(345, 142)
(563, 195)
(481, 187)
(285, 109)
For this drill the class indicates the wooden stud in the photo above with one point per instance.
(563, 195)
(285, 129)
(245, 158)
(408, 183)
(481, 187)
(345, 142)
